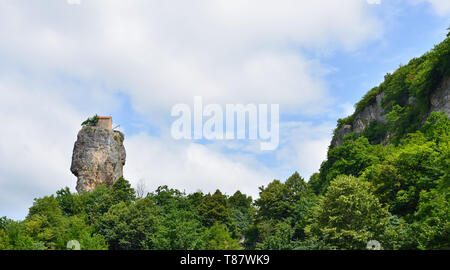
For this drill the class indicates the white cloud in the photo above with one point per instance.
(373, 2)
(347, 109)
(441, 7)
(227, 51)
(304, 147)
(190, 167)
(74, 2)
(35, 147)
(74, 58)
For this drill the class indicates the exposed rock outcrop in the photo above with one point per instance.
(372, 112)
(439, 101)
(361, 120)
(98, 157)
(338, 138)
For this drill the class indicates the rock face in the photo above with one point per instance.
(439, 101)
(361, 121)
(372, 112)
(338, 138)
(98, 157)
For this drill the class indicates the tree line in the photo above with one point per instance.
(396, 195)
(390, 184)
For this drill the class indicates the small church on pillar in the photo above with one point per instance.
(104, 122)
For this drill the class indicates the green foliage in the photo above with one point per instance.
(397, 193)
(218, 237)
(92, 121)
(416, 80)
(47, 227)
(215, 209)
(177, 226)
(178, 230)
(241, 202)
(96, 203)
(302, 215)
(349, 215)
(437, 128)
(4, 241)
(419, 163)
(344, 121)
(314, 183)
(69, 203)
(375, 132)
(367, 100)
(410, 179)
(277, 200)
(433, 217)
(282, 214)
(407, 91)
(242, 211)
(399, 235)
(195, 199)
(351, 158)
(123, 192)
(129, 226)
(280, 238)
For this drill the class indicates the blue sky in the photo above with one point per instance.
(61, 63)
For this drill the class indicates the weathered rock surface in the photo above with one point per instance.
(372, 112)
(98, 157)
(439, 101)
(338, 138)
(361, 121)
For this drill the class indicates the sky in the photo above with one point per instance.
(62, 61)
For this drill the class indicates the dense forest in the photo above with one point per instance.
(389, 183)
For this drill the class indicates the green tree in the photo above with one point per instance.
(314, 183)
(218, 237)
(75, 228)
(399, 235)
(123, 192)
(242, 211)
(433, 217)
(348, 215)
(96, 203)
(178, 230)
(241, 202)
(215, 209)
(302, 214)
(92, 121)
(277, 200)
(413, 166)
(195, 199)
(280, 239)
(178, 226)
(69, 203)
(351, 158)
(45, 222)
(129, 226)
(5, 243)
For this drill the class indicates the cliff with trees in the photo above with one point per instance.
(386, 178)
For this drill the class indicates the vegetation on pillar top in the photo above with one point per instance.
(90, 122)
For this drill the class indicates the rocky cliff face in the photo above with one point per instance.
(361, 121)
(439, 101)
(98, 157)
